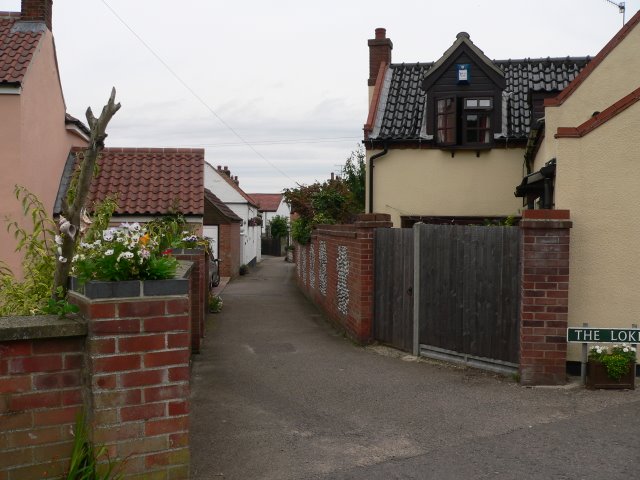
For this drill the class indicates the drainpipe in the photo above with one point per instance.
(373, 157)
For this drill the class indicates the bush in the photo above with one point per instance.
(215, 304)
(279, 226)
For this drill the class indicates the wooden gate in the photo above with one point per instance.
(469, 292)
(393, 308)
(468, 288)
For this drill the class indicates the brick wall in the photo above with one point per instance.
(336, 272)
(138, 366)
(40, 396)
(198, 292)
(124, 360)
(545, 293)
(229, 249)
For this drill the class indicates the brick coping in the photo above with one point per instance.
(41, 326)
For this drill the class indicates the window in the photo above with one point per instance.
(446, 121)
(464, 121)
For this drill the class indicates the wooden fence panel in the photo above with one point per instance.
(393, 310)
(469, 295)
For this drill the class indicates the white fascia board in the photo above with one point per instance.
(11, 90)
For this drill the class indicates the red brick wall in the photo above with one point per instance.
(138, 366)
(37, 10)
(229, 250)
(336, 272)
(40, 396)
(198, 292)
(545, 293)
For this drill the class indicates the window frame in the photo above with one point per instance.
(461, 127)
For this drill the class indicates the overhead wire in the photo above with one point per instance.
(194, 93)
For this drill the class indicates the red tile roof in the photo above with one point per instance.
(597, 60)
(152, 181)
(600, 118)
(16, 48)
(267, 202)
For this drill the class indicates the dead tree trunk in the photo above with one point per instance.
(72, 212)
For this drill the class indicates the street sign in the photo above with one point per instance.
(603, 335)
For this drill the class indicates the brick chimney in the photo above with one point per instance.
(226, 171)
(37, 11)
(379, 52)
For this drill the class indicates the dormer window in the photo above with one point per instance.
(464, 121)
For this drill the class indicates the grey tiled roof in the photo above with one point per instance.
(401, 111)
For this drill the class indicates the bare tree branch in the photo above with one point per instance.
(72, 212)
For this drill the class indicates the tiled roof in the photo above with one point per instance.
(400, 115)
(219, 204)
(267, 202)
(17, 46)
(149, 181)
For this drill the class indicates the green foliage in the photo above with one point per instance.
(618, 359)
(320, 203)
(29, 296)
(85, 457)
(169, 230)
(102, 213)
(215, 304)
(58, 305)
(507, 222)
(244, 269)
(301, 230)
(279, 226)
(354, 174)
(125, 253)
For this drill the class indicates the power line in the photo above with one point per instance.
(193, 92)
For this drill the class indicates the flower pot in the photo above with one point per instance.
(597, 377)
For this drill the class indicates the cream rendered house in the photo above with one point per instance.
(446, 140)
(36, 135)
(588, 153)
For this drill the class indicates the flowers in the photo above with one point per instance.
(125, 253)
(617, 358)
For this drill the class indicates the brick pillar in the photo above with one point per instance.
(364, 267)
(138, 380)
(198, 292)
(544, 296)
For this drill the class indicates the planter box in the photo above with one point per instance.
(95, 289)
(597, 377)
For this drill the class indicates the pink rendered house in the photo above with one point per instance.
(36, 134)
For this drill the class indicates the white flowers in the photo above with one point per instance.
(58, 239)
(125, 255)
(107, 235)
(62, 259)
(109, 252)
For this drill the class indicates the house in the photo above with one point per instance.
(271, 205)
(584, 158)
(227, 189)
(36, 134)
(222, 226)
(445, 140)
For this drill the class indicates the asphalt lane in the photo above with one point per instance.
(278, 394)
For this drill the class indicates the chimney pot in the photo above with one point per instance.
(219, 167)
(37, 11)
(381, 33)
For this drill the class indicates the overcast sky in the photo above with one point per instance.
(289, 77)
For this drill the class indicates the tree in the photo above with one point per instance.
(354, 174)
(74, 204)
(279, 226)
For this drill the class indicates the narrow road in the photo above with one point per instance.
(278, 394)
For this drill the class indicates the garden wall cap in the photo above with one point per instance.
(41, 326)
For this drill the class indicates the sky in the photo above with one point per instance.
(277, 90)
